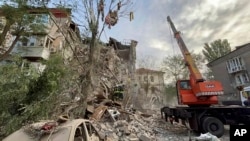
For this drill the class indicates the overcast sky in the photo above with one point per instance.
(200, 21)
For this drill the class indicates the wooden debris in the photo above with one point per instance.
(98, 113)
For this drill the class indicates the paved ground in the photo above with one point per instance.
(168, 132)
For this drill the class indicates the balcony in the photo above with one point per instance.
(34, 52)
(236, 69)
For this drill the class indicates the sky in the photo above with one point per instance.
(199, 21)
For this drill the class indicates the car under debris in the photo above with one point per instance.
(70, 130)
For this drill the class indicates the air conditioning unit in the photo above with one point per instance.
(52, 49)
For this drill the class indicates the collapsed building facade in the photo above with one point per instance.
(150, 87)
(115, 62)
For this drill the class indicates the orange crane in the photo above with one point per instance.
(200, 98)
(195, 91)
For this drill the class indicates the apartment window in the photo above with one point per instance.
(139, 77)
(41, 18)
(30, 41)
(235, 64)
(25, 43)
(245, 78)
(145, 78)
(241, 78)
(152, 78)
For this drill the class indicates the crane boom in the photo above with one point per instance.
(195, 91)
(194, 71)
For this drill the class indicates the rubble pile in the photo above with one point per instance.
(129, 127)
(112, 119)
(116, 124)
(109, 71)
(135, 126)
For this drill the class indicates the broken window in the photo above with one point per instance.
(152, 78)
(153, 89)
(79, 134)
(145, 78)
(91, 131)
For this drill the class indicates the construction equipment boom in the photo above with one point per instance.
(199, 92)
(199, 107)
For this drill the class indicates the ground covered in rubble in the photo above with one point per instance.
(144, 127)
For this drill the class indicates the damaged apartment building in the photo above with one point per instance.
(57, 35)
(115, 62)
(116, 67)
(150, 88)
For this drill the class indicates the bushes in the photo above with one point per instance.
(25, 98)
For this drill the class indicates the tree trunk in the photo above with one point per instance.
(2, 57)
(4, 33)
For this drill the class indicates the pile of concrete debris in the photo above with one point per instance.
(117, 124)
(112, 68)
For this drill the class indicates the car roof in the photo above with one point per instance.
(20, 134)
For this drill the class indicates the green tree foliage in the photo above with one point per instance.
(216, 49)
(171, 94)
(175, 69)
(26, 97)
(19, 22)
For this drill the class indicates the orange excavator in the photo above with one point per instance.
(195, 91)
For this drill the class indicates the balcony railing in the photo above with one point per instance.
(236, 69)
(34, 52)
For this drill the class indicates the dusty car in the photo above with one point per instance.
(71, 130)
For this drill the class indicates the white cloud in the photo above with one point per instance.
(159, 44)
(200, 21)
